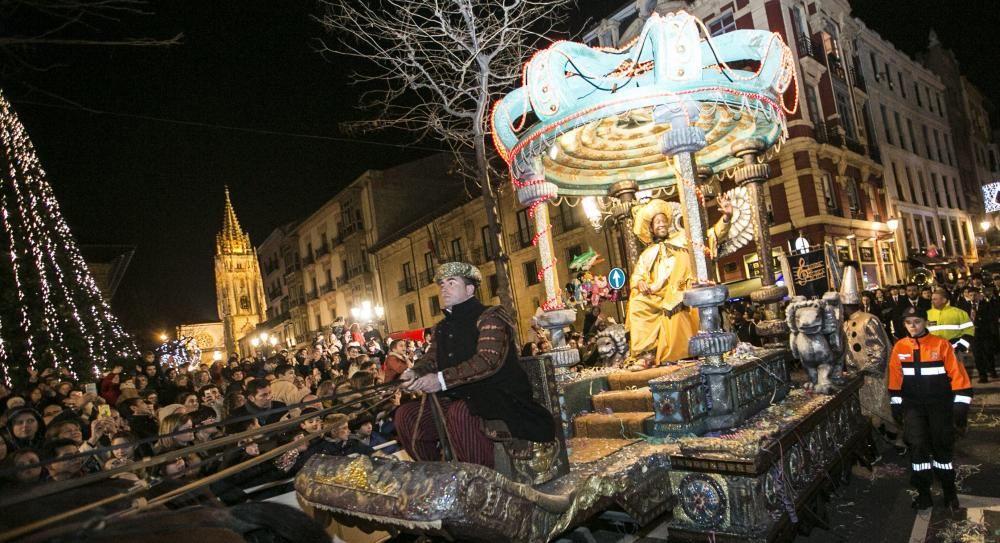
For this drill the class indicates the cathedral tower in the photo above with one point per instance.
(239, 288)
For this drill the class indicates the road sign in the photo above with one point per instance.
(616, 279)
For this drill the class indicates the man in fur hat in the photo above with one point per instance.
(473, 367)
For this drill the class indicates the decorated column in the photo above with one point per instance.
(753, 175)
(534, 192)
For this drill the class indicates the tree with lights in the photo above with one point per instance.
(51, 311)
(441, 64)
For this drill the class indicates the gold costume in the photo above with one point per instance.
(659, 320)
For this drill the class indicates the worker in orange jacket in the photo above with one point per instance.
(929, 392)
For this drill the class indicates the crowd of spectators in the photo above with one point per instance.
(155, 408)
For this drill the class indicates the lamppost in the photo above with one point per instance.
(367, 313)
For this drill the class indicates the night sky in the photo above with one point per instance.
(124, 178)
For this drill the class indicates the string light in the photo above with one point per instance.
(63, 320)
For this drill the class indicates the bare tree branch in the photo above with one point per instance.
(435, 67)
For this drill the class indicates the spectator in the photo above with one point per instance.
(396, 362)
(259, 403)
(189, 400)
(71, 468)
(211, 396)
(24, 458)
(123, 455)
(25, 429)
(285, 388)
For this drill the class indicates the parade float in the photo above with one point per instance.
(721, 443)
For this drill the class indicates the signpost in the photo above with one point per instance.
(616, 278)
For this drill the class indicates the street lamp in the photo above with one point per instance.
(164, 337)
(254, 342)
(274, 341)
(216, 356)
(892, 223)
(985, 224)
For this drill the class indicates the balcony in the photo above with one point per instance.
(828, 134)
(478, 256)
(519, 241)
(355, 271)
(311, 295)
(344, 230)
(426, 278)
(858, 77)
(810, 48)
(324, 250)
(855, 146)
(308, 260)
(326, 289)
(342, 280)
(407, 285)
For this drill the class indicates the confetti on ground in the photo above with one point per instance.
(964, 531)
(963, 471)
(888, 471)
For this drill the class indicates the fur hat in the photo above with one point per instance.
(643, 215)
(459, 269)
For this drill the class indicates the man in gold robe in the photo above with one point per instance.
(659, 322)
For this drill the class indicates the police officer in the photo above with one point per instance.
(929, 392)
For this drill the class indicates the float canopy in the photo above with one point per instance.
(585, 114)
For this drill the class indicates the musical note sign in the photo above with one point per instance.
(809, 273)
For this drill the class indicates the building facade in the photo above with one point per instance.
(911, 116)
(239, 288)
(826, 181)
(458, 230)
(279, 263)
(209, 337)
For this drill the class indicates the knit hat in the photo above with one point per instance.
(459, 269)
(914, 312)
(643, 227)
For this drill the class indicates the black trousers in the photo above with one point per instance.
(984, 350)
(929, 432)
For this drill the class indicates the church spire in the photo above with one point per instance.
(231, 239)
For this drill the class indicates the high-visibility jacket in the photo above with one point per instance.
(952, 324)
(924, 370)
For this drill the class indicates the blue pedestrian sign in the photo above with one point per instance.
(616, 279)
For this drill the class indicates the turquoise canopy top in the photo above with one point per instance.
(586, 112)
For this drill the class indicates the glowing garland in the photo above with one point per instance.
(64, 321)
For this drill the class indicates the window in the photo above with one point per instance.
(966, 245)
(429, 266)
(494, 284)
(874, 64)
(525, 228)
(572, 253)
(927, 141)
(940, 107)
(916, 92)
(435, 304)
(888, 128)
(408, 279)
(947, 148)
(939, 198)
(947, 190)
(531, 273)
(923, 188)
(846, 114)
(913, 139)
(902, 87)
(457, 254)
(898, 181)
(899, 129)
(569, 217)
(722, 24)
(853, 197)
(909, 181)
(815, 115)
(930, 103)
(943, 224)
(799, 22)
(487, 243)
(829, 195)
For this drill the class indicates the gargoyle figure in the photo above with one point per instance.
(815, 340)
(612, 345)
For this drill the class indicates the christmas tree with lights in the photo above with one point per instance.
(52, 314)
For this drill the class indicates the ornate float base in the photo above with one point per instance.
(739, 488)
